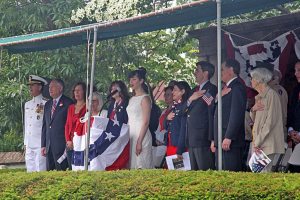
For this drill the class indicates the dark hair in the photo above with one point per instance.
(183, 85)
(206, 67)
(141, 74)
(60, 82)
(172, 82)
(234, 64)
(168, 88)
(124, 91)
(83, 85)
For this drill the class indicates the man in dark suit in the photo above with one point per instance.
(233, 117)
(200, 118)
(53, 131)
(294, 116)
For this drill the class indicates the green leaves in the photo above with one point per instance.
(147, 184)
(166, 54)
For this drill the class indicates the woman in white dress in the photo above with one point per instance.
(138, 110)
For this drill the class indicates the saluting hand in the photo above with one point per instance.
(170, 116)
(258, 106)
(196, 95)
(224, 92)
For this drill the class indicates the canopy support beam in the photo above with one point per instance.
(90, 98)
(219, 85)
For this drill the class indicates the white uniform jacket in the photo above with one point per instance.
(34, 110)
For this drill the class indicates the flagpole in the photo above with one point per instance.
(87, 140)
(219, 84)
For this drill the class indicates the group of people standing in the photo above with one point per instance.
(50, 125)
(189, 123)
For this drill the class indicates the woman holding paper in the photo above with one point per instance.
(176, 120)
(268, 135)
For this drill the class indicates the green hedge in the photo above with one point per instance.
(148, 184)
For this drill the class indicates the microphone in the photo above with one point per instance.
(114, 92)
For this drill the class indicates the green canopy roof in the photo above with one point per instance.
(186, 14)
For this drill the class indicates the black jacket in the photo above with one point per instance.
(53, 131)
(200, 119)
(233, 115)
(294, 109)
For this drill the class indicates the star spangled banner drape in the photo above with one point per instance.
(276, 52)
(107, 142)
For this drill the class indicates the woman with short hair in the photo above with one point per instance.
(97, 103)
(268, 134)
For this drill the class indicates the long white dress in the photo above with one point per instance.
(135, 120)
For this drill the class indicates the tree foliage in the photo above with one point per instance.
(23, 17)
(166, 54)
(163, 53)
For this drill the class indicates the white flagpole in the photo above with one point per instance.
(87, 141)
(219, 84)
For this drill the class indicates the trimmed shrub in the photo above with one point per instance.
(148, 184)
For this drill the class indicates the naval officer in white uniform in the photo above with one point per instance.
(34, 110)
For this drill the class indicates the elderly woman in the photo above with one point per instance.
(97, 103)
(80, 130)
(268, 133)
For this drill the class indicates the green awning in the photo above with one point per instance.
(191, 13)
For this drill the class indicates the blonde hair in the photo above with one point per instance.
(99, 98)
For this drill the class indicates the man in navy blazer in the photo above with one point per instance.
(200, 118)
(53, 131)
(233, 116)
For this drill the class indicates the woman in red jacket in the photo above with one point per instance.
(75, 112)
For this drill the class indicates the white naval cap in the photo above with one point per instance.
(33, 79)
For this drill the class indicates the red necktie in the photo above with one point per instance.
(53, 107)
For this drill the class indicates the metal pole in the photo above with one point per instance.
(219, 85)
(87, 141)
